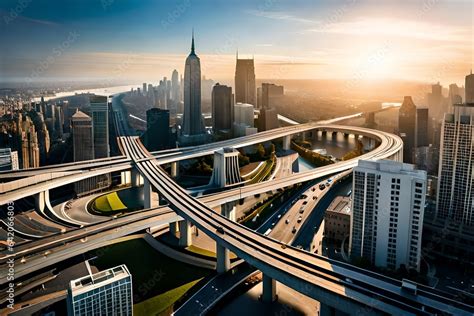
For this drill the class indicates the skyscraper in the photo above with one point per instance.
(406, 127)
(82, 137)
(243, 119)
(245, 86)
(175, 95)
(192, 117)
(421, 127)
(100, 120)
(222, 108)
(455, 199)
(157, 134)
(106, 292)
(268, 92)
(388, 200)
(469, 88)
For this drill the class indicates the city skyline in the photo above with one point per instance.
(87, 40)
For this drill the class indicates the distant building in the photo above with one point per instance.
(407, 127)
(469, 88)
(144, 88)
(100, 124)
(8, 159)
(421, 130)
(455, 200)
(107, 292)
(222, 109)
(268, 119)
(267, 93)
(426, 158)
(337, 219)
(245, 86)
(243, 118)
(175, 94)
(193, 131)
(83, 149)
(388, 200)
(157, 136)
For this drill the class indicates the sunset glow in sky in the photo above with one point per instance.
(426, 40)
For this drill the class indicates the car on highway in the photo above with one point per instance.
(305, 202)
(315, 197)
(220, 230)
(303, 196)
(322, 186)
(293, 230)
(302, 210)
(287, 221)
(299, 219)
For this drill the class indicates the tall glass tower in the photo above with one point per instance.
(192, 117)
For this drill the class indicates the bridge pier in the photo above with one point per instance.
(41, 199)
(269, 289)
(175, 169)
(135, 178)
(228, 210)
(185, 234)
(286, 142)
(147, 191)
(346, 135)
(326, 310)
(303, 136)
(223, 259)
(334, 135)
(173, 228)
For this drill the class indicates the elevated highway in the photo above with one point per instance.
(336, 284)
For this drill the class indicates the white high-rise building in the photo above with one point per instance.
(106, 292)
(388, 200)
(455, 199)
(243, 118)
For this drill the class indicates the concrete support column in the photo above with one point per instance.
(173, 228)
(135, 178)
(40, 200)
(223, 259)
(185, 237)
(286, 142)
(228, 210)
(147, 190)
(269, 289)
(303, 136)
(315, 133)
(326, 310)
(175, 169)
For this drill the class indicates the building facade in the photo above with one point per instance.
(222, 109)
(107, 292)
(469, 88)
(243, 118)
(455, 200)
(157, 136)
(192, 118)
(407, 127)
(100, 119)
(245, 85)
(388, 200)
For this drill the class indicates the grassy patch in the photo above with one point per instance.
(110, 202)
(159, 304)
(152, 272)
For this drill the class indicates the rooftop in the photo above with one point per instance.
(341, 204)
(99, 279)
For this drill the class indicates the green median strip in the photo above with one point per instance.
(162, 302)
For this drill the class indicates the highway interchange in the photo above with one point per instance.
(337, 284)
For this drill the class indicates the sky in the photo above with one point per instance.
(138, 40)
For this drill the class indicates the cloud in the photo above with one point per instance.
(392, 27)
(279, 15)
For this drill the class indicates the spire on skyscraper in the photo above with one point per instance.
(192, 44)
